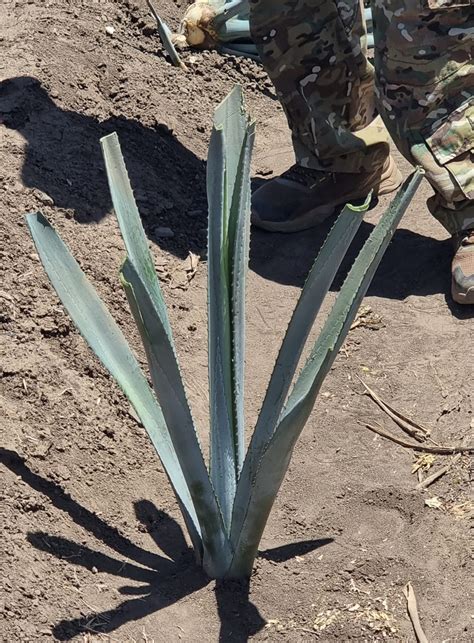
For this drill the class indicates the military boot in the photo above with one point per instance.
(302, 197)
(462, 268)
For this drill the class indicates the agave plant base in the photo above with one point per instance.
(226, 501)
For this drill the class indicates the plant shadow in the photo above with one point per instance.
(413, 264)
(62, 159)
(163, 580)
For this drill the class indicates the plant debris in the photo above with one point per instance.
(440, 450)
(412, 428)
(437, 474)
(433, 503)
(423, 462)
(413, 613)
(380, 621)
(366, 318)
(462, 510)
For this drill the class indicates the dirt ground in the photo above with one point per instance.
(92, 547)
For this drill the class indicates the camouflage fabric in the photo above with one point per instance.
(422, 87)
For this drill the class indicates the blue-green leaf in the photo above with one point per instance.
(130, 223)
(352, 292)
(239, 242)
(277, 454)
(233, 32)
(228, 10)
(165, 36)
(169, 388)
(230, 117)
(222, 441)
(238, 49)
(228, 181)
(309, 303)
(152, 319)
(107, 341)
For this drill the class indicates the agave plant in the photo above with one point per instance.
(226, 503)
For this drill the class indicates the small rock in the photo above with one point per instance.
(110, 30)
(434, 502)
(166, 233)
(41, 450)
(94, 570)
(63, 472)
(43, 197)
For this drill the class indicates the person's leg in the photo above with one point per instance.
(321, 76)
(312, 52)
(424, 52)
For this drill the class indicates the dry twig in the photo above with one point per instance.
(412, 428)
(437, 474)
(413, 613)
(440, 450)
(366, 318)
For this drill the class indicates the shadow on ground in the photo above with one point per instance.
(164, 580)
(63, 159)
(413, 264)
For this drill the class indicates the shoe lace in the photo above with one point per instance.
(306, 176)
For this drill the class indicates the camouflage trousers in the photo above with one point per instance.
(421, 87)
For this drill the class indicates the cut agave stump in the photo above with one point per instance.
(225, 24)
(225, 504)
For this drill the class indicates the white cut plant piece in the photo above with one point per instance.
(225, 504)
(219, 23)
(210, 23)
(225, 24)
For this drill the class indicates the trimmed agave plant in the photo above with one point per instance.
(223, 24)
(207, 23)
(225, 504)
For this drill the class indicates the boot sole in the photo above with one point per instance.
(464, 297)
(388, 183)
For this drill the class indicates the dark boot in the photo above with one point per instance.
(302, 198)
